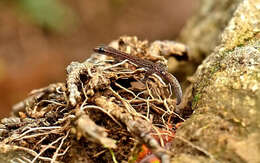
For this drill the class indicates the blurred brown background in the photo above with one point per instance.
(38, 38)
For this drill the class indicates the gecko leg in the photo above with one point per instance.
(146, 75)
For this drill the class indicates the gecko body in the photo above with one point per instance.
(149, 66)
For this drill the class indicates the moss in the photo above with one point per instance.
(195, 100)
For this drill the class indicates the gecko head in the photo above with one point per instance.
(99, 49)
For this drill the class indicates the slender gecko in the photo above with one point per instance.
(149, 66)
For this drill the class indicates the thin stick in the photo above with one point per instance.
(58, 149)
(44, 149)
(37, 128)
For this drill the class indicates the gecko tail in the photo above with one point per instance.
(178, 92)
(178, 95)
(176, 87)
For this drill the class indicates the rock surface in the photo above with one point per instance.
(225, 125)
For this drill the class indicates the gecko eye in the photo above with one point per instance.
(99, 49)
